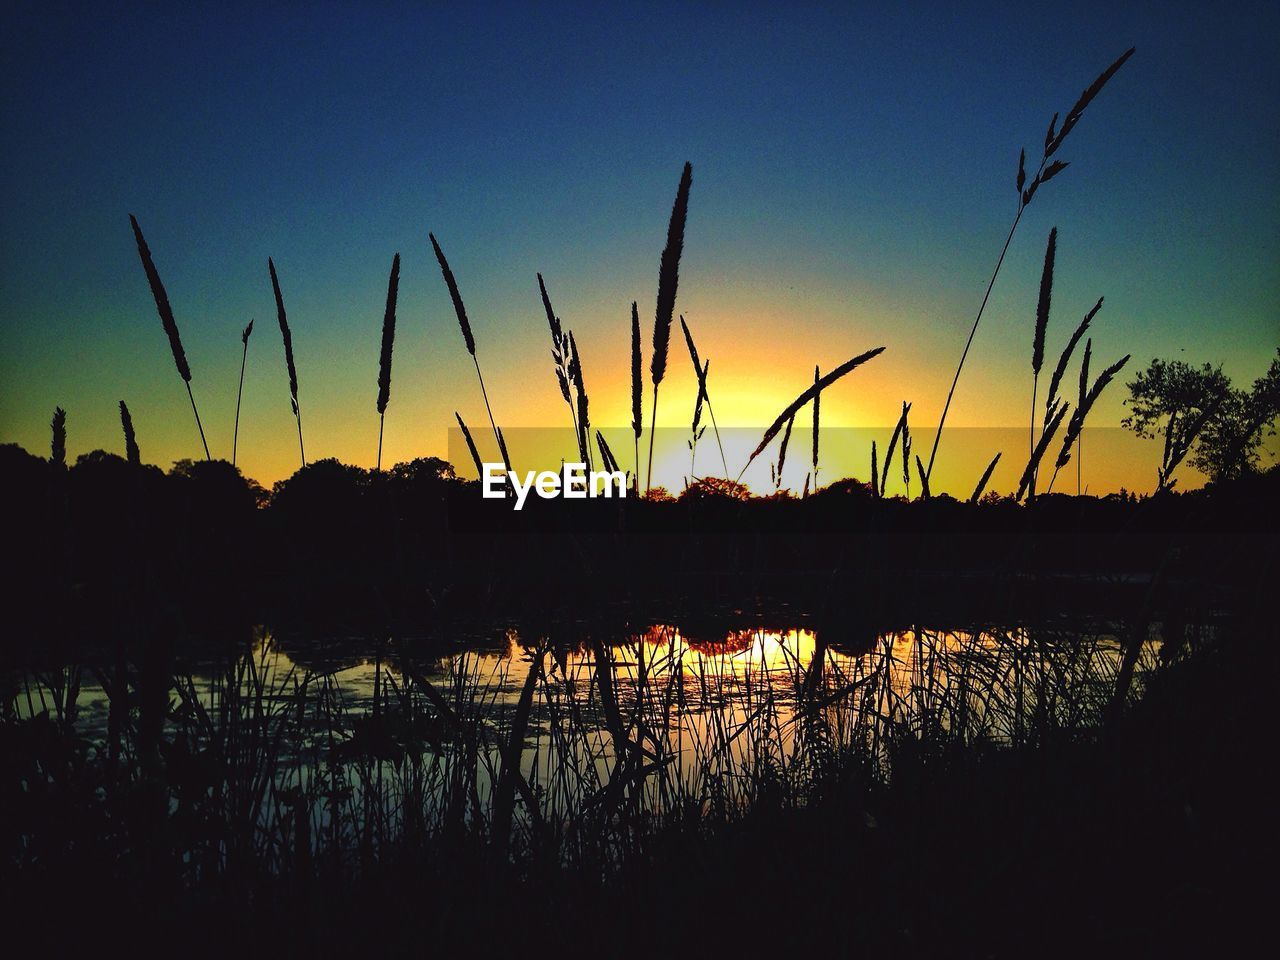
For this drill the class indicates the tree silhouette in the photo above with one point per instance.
(1185, 398)
(1228, 447)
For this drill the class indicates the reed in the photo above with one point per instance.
(168, 322)
(594, 762)
(130, 440)
(1042, 323)
(700, 371)
(782, 452)
(875, 472)
(664, 312)
(607, 459)
(465, 325)
(1083, 389)
(1065, 358)
(244, 357)
(695, 433)
(1084, 381)
(893, 443)
(817, 407)
(983, 480)
(637, 386)
(1033, 462)
(287, 338)
(388, 342)
(471, 446)
(58, 443)
(924, 479)
(795, 405)
(1076, 425)
(560, 355)
(505, 792)
(907, 444)
(1026, 192)
(580, 391)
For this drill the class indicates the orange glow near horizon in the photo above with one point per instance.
(763, 345)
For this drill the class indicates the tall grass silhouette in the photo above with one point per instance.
(580, 393)
(817, 409)
(568, 364)
(471, 446)
(595, 762)
(560, 355)
(799, 402)
(465, 325)
(244, 357)
(1042, 322)
(695, 432)
(607, 459)
(287, 338)
(170, 325)
(388, 343)
(1046, 437)
(907, 444)
(1087, 399)
(983, 480)
(924, 479)
(664, 312)
(782, 452)
(1026, 192)
(898, 428)
(637, 388)
(700, 372)
(58, 438)
(131, 452)
(1065, 357)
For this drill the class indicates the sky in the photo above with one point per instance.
(853, 182)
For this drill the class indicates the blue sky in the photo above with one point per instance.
(853, 181)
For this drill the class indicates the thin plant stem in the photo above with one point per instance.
(199, 425)
(301, 451)
(235, 437)
(1035, 385)
(928, 471)
(653, 424)
(716, 428)
(502, 446)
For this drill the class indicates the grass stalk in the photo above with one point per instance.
(794, 407)
(637, 387)
(1037, 346)
(664, 311)
(388, 344)
(244, 356)
(287, 338)
(168, 322)
(465, 325)
(1026, 192)
(58, 440)
(130, 439)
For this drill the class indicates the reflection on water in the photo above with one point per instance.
(334, 742)
(683, 674)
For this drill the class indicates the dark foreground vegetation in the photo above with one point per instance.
(1034, 793)
(107, 541)
(1072, 765)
